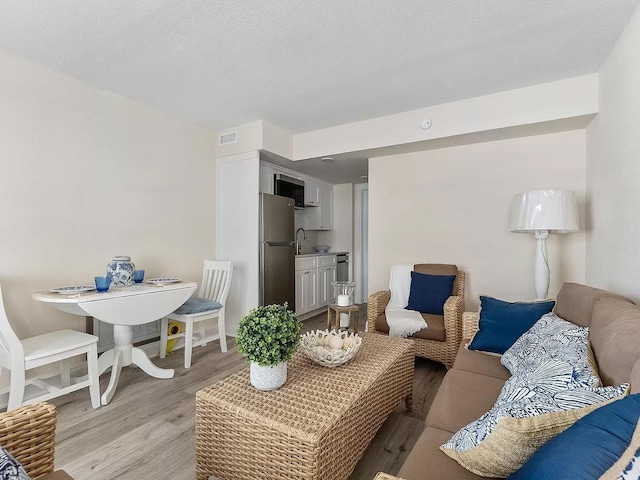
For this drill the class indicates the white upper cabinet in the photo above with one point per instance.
(321, 218)
(311, 193)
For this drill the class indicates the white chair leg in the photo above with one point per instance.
(188, 342)
(94, 378)
(65, 372)
(221, 331)
(16, 388)
(164, 325)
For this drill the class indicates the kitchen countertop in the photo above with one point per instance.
(316, 254)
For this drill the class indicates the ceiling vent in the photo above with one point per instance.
(227, 138)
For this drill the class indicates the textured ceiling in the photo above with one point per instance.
(310, 64)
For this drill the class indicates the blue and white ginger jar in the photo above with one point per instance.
(121, 271)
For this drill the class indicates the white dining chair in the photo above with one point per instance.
(216, 281)
(59, 346)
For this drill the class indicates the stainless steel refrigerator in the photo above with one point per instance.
(277, 250)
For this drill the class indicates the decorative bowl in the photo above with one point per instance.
(322, 248)
(330, 348)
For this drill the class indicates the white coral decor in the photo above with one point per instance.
(330, 348)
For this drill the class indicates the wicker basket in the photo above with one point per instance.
(330, 348)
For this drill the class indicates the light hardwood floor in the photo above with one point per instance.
(147, 431)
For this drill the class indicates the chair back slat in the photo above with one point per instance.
(216, 280)
(9, 342)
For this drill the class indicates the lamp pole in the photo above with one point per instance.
(541, 266)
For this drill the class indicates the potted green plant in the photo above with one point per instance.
(268, 337)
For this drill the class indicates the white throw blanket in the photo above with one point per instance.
(402, 322)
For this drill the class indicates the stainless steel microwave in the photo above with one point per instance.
(286, 186)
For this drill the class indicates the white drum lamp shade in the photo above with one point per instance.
(542, 212)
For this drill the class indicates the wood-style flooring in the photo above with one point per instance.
(147, 431)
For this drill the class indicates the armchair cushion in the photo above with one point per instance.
(428, 293)
(502, 323)
(434, 331)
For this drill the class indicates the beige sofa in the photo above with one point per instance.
(471, 387)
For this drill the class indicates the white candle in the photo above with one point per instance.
(344, 300)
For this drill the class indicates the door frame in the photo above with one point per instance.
(360, 250)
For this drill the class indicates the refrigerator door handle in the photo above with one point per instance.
(280, 244)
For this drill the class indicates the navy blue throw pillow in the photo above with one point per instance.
(502, 323)
(428, 293)
(588, 448)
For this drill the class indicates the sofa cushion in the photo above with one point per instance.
(426, 460)
(502, 323)
(479, 362)
(575, 302)
(588, 448)
(428, 293)
(434, 330)
(553, 338)
(615, 338)
(452, 408)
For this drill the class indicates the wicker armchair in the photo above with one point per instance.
(440, 351)
(28, 433)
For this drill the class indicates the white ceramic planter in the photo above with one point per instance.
(267, 378)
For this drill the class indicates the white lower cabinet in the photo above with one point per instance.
(306, 284)
(326, 276)
(314, 276)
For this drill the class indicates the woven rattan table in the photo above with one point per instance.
(317, 426)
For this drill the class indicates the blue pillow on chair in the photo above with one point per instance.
(588, 448)
(197, 305)
(429, 293)
(502, 323)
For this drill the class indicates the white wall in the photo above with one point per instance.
(613, 171)
(238, 231)
(451, 206)
(85, 175)
(528, 106)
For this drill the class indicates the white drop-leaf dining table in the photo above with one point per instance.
(124, 307)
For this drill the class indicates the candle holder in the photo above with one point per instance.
(343, 292)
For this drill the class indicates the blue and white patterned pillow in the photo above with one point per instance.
(553, 338)
(10, 468)
(530, 396)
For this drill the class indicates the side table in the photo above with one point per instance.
(337, 310)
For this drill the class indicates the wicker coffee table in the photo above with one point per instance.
(317, 426)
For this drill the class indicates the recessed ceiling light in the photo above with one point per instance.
(327, 159)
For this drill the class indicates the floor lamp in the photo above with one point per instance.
(542, 212)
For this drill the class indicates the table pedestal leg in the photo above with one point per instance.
(124, 354)
(115, 376)
(140, 359)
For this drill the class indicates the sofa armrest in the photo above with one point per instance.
(29, 434)
(376, 304)
(385, 476)
(470, 324)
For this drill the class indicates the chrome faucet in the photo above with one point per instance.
(298, 244)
